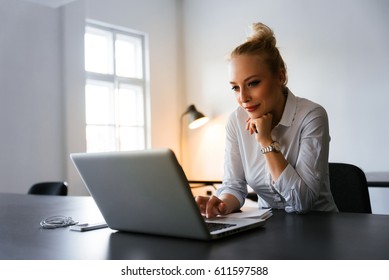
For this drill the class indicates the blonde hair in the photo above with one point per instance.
(262, 42)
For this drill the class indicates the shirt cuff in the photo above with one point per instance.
(284, 182)
(238, 195)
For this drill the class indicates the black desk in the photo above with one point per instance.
(285, 236)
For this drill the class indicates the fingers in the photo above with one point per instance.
(250, 126)
(210, 206)
(215, 206)
(253, 128)
(259, 125)
(202, 203)
(248, 123)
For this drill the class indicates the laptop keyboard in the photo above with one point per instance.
(218, 226)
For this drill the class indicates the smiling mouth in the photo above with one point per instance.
(251, 108)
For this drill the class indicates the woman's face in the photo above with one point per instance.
(257, 89)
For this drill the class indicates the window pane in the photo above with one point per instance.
(98, 51)
(128, 51)
(100, 138)
(114, 91)
(130, 111)
(132, 138)
(99, 102)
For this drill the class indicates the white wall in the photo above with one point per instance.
(42, 83)
(336, 53)
(31, 123)
(73, 29)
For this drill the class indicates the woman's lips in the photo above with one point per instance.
(251, 108)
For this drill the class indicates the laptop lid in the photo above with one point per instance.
(143, 191)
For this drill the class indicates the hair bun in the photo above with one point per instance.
(261, 33)
(262, 42)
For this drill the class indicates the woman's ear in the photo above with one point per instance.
(282, 76)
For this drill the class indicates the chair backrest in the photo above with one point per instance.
(349, 188)
(49, 188)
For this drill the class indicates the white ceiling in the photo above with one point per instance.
(51, 3)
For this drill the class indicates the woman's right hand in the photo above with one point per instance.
(211, 206)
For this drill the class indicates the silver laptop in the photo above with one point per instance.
(147, 192)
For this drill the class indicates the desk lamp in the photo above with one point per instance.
(195, 120)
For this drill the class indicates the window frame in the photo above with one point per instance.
(130, 81)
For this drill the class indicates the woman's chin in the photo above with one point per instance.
(254, 115)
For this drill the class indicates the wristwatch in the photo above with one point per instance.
(273, 147)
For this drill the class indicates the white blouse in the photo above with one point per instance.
(303, 135)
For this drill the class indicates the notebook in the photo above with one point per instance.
(147, 192)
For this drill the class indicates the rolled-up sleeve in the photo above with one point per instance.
(300, 186)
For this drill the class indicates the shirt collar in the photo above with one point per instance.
(289, 110)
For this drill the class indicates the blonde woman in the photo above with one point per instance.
(277, 143)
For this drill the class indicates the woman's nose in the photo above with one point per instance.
(244, 95)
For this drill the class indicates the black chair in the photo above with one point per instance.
(49, 188)
(349, 188)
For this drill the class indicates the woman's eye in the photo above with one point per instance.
(234, 88)
(253, 83)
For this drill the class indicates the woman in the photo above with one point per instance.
(276, 143)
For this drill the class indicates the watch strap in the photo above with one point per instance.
(270, 148)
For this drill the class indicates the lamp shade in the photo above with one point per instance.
(195, 118)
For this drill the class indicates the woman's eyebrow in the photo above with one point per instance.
(245, 80)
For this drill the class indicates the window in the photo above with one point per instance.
(115, 90)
